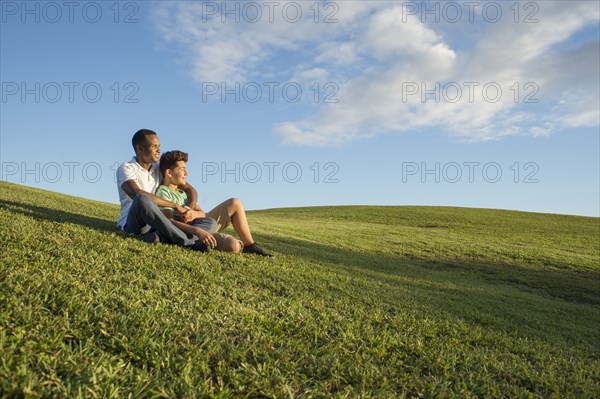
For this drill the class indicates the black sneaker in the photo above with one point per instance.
(150, 238)
(199, 246)
(255, 249)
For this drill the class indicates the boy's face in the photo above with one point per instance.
(178, 173)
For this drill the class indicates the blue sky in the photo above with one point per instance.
(481, 104)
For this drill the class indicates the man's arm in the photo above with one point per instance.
(204, 236)
(196, 211)
(132, 189)
(192, 195)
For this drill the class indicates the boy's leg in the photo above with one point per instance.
(232, 212)
(225, 242)
(145, 212)
(228, 243)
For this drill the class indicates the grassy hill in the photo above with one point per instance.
(360, 302)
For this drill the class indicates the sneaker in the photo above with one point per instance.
(255, 249)
(150, 238)
(199, 246)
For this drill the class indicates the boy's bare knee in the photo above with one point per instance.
(230, 244)
(234, 245)
(234, 202)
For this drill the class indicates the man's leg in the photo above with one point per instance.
(144, 212)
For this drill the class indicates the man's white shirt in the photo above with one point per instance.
(147, 180)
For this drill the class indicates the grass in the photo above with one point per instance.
(370, 302)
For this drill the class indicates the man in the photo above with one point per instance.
(137, 180)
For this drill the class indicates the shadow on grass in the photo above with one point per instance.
(568, 285)
(55, 215)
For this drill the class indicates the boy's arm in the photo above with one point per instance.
(204, 236)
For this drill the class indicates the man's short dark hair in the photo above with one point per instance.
(139, 138)
(169, 159)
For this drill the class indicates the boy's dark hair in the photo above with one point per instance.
(169, 159)
(139, 137)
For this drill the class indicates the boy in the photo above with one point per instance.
(205, 226)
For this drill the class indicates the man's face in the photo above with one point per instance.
(150, 150)
(179, 173)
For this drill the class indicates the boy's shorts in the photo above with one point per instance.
(207, 224)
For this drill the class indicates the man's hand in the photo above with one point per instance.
(184, 213)
(191, 214)
(180, 209)
(206, 238)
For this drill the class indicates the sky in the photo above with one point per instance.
(303, 103)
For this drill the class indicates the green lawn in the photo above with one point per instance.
(360, 302)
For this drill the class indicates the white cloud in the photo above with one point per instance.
(237, 49)
(379, 53)
(314, 74)
(390, 34)
(344, 53)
